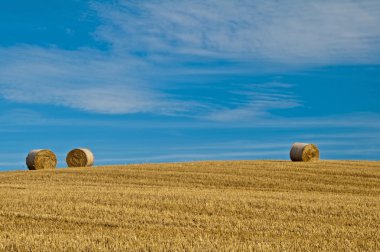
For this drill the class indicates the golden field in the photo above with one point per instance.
(198, 206)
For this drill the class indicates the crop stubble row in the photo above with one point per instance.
(242, 205)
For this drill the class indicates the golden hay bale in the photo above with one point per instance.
(80, 158)
(41, 159)
(304, 152)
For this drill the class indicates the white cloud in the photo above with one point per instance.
(106, 83)
(289, 32)
(153, 42)
(257, 100)
(85, 79)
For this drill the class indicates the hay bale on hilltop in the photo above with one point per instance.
(80, 158)
(41, 159)
(304, 152)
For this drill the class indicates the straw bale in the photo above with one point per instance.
(80, 158)
(304, 152)
(41, 159)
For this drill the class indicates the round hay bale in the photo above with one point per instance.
(80, 158)
(304, 152)
(41, 159)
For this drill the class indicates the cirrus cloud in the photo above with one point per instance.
(154, 46)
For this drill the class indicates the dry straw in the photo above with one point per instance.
(80, 158)
(41, 159)
(304, 152)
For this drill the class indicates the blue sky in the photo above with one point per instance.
(154, 81)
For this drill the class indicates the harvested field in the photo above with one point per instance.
(213, 206)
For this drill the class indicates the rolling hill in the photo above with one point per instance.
(196, 206)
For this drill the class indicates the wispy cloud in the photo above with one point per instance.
(85, 79)
(255, 101)
(102, 82)
(291, 32)
(154, 45)
(354, 146)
